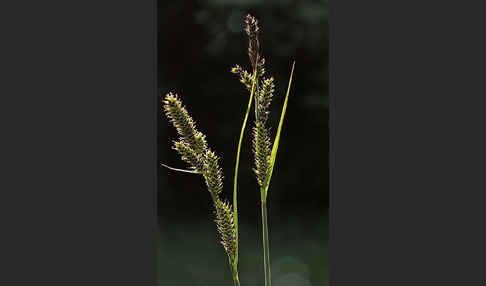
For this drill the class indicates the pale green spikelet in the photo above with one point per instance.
(265, 98)
(245, 77)
(185, 125)
(261, 67)
(200, 142)
(261, 151)
(213, 174)
(226, 228)
(188, 155)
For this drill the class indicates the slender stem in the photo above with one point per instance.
(266, 250)
(234, 270)
(236, 279)
(235, 189)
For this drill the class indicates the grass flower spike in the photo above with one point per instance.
(261, 149)
(245, 77)
(226, 226)
(185, 125)
(252, 30)
(212, 174)
(264, 152)
(189, 156)
(194, 150)
(265, 98)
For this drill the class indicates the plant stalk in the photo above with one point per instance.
(266, 249)
(235, 181)
(236, 280)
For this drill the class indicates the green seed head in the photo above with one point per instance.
(226, 228)
(265, 98)
(261, 151)
(185, 125)
(213, 174)
(245, 77)
(188, 155)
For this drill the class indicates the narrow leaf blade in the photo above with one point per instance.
(277, 137)
(235, 185)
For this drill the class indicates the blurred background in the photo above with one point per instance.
(199, 42)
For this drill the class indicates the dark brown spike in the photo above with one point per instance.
(252, 30)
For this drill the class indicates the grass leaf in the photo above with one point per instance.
(277, 137)
(181, 170)
(235, 201)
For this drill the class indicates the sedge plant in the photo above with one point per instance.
(194, 150)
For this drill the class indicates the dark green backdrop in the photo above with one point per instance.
(199, 42)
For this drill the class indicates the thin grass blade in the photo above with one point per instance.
(180, 170)
(277, 137)
(235, 191)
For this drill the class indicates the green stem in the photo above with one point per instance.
(236, 279)
(256, 98)
(235, 189)
(234, 272)
(266, 250)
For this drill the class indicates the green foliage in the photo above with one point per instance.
(264, 160)
(235, 186)
(198, 41)
(273, 157)
(194, 150)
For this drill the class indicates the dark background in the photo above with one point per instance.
(199, 42)
(407, 178)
